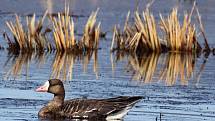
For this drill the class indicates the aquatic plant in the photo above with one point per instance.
(63, 31)
(142, 36)
(91, 32)
(32, 38)
(179, 37)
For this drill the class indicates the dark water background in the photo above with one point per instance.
(104, 75)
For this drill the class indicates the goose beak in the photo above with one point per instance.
(43, 88)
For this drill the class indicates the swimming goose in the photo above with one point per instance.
(96, 109)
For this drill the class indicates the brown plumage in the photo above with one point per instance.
(96, 109)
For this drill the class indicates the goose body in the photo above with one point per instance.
(96, 109)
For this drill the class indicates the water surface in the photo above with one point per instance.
(176, 86)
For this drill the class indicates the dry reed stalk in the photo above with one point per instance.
(64, 37)
(18, 32)
(31, 39)
(36, 38)
(140, 36)
(63, 31)
(147, 27)
(207, 47)
(113, 38)
(91, 32)
(179, 37)
(118, 39)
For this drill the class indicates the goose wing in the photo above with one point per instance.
(91, 108)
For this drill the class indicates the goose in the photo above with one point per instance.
(95, 109)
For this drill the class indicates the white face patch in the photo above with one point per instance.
(46, 85)
(43, 88)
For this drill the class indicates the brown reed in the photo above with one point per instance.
(141, 36)
(91, 32)
(64, 37)
(31, 39)
(63, 31)
(35, 38)
(179, 37)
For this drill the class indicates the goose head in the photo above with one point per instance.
(54, 86)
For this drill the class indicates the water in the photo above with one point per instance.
(189, 94)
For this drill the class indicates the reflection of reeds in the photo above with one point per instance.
(63, 64)
(169, 68)
(178, 66)
(145, 67)
(141, 36)
(20, 61)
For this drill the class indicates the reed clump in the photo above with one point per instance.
(138, 37)
(142, 35)
(64, 36)
(179, 37)
(33, 36)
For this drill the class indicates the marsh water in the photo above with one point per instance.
(176, 86)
